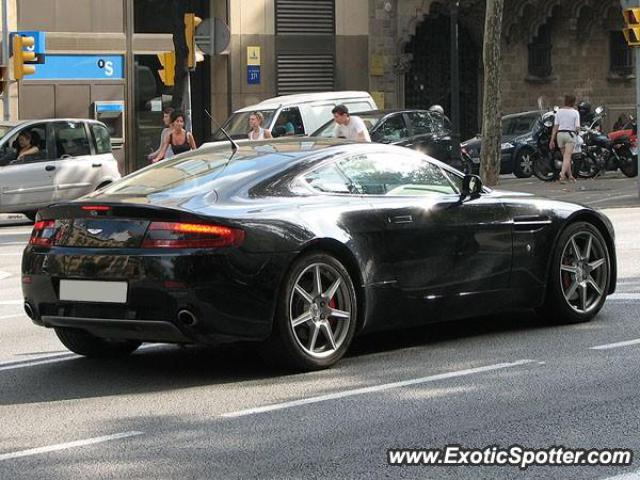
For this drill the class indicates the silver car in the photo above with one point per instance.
(66, 159)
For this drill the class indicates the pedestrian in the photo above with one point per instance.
(178, 139)
(257, 132)
(348, 126)
(166, 120)
(565, 133)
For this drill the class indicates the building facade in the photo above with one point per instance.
(399, 50)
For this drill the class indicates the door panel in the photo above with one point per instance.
(76, 174)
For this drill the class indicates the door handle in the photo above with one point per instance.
(96, 165)
(401, 219)
(50, 168)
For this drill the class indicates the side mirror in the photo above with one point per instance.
(278, 131)
(599, 110)
(471, 186)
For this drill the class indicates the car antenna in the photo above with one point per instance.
(234, 145)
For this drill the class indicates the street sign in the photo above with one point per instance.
(213, 36)
(81, 67)
(39, 47)
(253, 74)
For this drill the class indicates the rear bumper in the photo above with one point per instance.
(232, 296)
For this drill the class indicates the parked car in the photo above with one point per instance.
(304, 243)
(306, 112)
(423, 130)
(73, 158)
(517, 144)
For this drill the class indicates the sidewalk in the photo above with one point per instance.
(13, 219)
(613, 190)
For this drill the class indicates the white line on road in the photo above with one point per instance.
(375, 388)
(17, 254)
(4, 275)
(9, 244)
(65, 446)
(624, 296)
(609, 346)
(13, 316)
(11, 302)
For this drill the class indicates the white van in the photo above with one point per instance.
(305, 112)
(68, 159)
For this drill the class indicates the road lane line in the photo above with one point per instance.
(4, 275)
(624, 296)
(375, 388)
(10, 244)
(13, 316)
(65, 446)
(17, 254)
(609, 346)
(11, 302)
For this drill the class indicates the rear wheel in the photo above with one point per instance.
(542, 168)
(630, 165)
(83, 343)
(316, 316)
(579, 277)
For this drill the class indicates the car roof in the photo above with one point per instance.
(523, 114)
(330, 97)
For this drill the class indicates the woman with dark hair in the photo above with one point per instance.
(27, 145)
(179, 139)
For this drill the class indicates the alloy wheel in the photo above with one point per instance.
(526, 164)
(320, 310)
(584, 271)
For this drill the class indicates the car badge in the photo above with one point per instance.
(94, 231)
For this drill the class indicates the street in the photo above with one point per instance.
(172, 412)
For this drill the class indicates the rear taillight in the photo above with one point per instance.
(191, 235)
(43, 233)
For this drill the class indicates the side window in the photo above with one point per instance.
(384, 174)
(328, 179)
(102, 138)
(71, 139)
(358, 106)
(289, 122)
(441, 123)
(421, 122)
(28, 145)
(391, 130)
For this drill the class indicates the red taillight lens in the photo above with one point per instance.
(191, 235)
(96, 208)
(43, 233)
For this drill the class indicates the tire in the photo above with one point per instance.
(541, 168)
(585, 166)
(83, 343)
(307, 345)
(523, 163)
(630, 167)
(571, 296)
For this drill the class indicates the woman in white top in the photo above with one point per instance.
(565, 133)
(257, 132)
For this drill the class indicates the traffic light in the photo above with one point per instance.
(632, 29)
(20, 56)
(168, 70)
(191, 22)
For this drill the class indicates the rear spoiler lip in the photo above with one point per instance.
(134, 211)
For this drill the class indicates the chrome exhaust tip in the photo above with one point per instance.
(28, 309)
(187, 317)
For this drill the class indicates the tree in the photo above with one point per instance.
(491, 115)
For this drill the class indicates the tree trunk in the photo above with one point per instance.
(179, 8)
(491, 115)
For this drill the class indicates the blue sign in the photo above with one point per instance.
(109, 107)
(80, 67)
(253, 74)
(39, 47)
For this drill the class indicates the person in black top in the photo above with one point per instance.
(179, 139)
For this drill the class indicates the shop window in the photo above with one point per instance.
(620, 55)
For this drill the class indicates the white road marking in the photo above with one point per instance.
(13, 316)
(609, 346)
(4, 275)
(625, 476)
(624, 296)
(9, 244)
(375, 388)
(65, 446)
(17, 254)
(11, 302)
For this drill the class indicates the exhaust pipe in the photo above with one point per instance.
(28, 309)
(187, 317)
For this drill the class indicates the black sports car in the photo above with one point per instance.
(304, 243)
(424, 130)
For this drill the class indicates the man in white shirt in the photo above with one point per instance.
(349, 127)
(565, 134)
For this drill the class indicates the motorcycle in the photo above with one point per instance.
(547, 164)
(610, 152)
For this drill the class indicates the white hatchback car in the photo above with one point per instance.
(72, 157)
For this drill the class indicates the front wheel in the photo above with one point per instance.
(542, 168)
(316, 315)
(83, 343)
(580, 275)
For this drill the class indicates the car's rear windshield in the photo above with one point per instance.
(237, 125)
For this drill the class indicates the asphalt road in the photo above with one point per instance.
(169, 412)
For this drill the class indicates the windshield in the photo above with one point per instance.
(519, 124)
(237, 125)
(369, 119)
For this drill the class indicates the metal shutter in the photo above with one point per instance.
(305, 17)
(308, 72)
